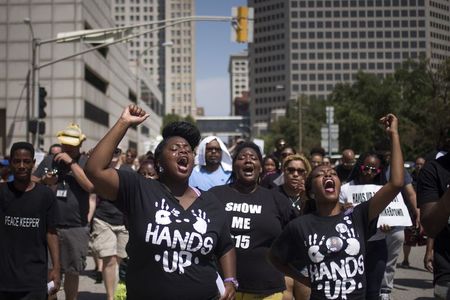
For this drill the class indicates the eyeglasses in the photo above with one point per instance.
(371, 169)
(212, 149)
(292, 170)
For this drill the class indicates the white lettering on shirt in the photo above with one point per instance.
(243, 208)
(184, 245)
(24, 222)
(240, 222)
(339, 277)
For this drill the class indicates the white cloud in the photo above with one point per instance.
(214, 95)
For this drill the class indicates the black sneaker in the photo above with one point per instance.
(405, 264)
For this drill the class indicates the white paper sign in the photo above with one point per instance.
(395, 214)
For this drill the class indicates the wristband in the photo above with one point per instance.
(71, 163)
(233, 281)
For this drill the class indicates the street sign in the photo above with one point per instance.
(334, 130)
(334, 145)
(334, 134)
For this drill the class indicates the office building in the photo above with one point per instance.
(307, 47)
(172, 68)
(239, 83)
(91, 89)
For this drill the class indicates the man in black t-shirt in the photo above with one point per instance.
(64, 173)
(345, 167)
(434, 200)
(27, 230)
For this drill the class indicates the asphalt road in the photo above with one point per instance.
(414, 283)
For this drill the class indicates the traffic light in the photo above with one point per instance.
(242, 29)
(35, 126)
(243, 24)
(42, 103)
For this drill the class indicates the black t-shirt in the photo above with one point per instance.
(267, 181)
(171, 250)
(107, 211)
(73, 200)
(256, 220)
(332, 250)
(126, 167)
(296, 202)
(434, 180)
(343, 173)
(25, 218)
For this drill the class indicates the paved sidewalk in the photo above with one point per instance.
(414, 283)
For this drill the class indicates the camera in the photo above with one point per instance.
(51, 172)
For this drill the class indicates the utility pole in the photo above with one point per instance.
(300, 123)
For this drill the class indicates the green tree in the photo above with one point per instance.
(287, 127)
(170, 118)
(418, 95)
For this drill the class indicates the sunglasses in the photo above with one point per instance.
(299, 171)
(371, 169)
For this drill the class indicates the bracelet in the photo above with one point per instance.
(233, 281)
(71, 163)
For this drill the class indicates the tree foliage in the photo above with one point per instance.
(170, 118)
(417, 94)
(288, 126)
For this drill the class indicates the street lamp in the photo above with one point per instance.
(106, 37)
(300, 123)
(30, 89)
(138, 78)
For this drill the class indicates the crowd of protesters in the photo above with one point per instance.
(196, 219)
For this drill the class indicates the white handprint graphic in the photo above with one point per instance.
(162, 216)
(201, 223)
(314, 248)
(348, 234)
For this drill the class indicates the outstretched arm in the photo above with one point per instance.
(105, 178)
(388, 192)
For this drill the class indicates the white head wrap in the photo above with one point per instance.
(227, 162)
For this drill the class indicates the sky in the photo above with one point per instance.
(213, 50)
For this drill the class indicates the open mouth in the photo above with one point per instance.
(183, 163)
(329, 186)
(248, 170)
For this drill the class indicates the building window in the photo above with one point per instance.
(132, 96)
(96, 114)
(95, 80)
